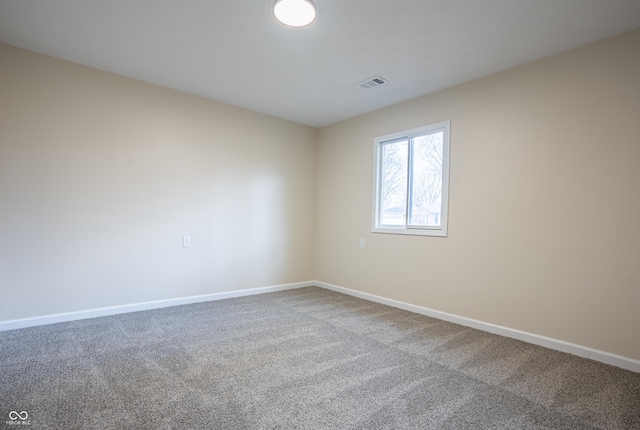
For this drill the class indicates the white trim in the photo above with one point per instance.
(558, 345)
(135, 307)
(547, 342)
(411, 231)
(378, 142)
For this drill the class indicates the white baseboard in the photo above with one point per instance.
(559, 345)
(135, 307)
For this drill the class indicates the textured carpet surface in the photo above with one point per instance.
(300, 359)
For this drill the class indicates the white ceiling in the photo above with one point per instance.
(235, 52)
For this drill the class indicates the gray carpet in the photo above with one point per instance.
(300, 359)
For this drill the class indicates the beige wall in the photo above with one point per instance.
(101, 176)
(544, 213)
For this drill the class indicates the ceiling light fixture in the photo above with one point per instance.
(294, 13)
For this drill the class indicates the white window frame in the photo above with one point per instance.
(378, 142)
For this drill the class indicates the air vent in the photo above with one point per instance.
(376, 81)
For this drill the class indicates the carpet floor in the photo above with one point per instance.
(299, 359)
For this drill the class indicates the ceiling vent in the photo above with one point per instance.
(376, 81)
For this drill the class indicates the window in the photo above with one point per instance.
(412, 181)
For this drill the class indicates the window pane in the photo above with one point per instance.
(393, 182)
(426, 184)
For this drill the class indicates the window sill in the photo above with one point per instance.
(436, 232)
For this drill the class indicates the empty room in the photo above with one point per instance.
(296, 214)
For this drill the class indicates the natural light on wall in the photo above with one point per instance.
(294, 13)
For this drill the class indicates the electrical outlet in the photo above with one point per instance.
(186, 241)
(362, 243)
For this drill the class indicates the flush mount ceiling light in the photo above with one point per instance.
(294, 13)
